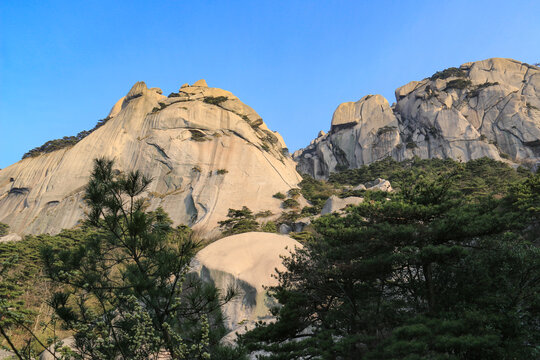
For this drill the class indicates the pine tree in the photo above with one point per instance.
(126, 292)
(426, 274)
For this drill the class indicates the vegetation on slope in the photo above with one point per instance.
(124, 290)
(447, 267)
(66, 141)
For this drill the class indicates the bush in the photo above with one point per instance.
(222, 171)
(215, 100)
(411, 145)
(263, 214)
(4, 229)
(239, 221)
(197, 135)
(269, 227)
(458, 84)
(446, 73)
(173, 94)
(279, 195)
(294, 193)
(290, 203)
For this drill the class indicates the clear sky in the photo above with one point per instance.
(63, 64)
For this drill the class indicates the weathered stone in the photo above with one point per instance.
(490, 110)
(154, 134)
(201, 82)
(335, 203)
(284, 229)
(380, 185)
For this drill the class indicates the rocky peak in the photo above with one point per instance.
(205, 149)
(485, 108)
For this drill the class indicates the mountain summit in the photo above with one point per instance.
(205, 150)
(488, 108)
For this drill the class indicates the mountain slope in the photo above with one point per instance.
(206, 151)
(487, 108)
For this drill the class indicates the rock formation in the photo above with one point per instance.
(488, 108)
(246, 261)
(205, 149)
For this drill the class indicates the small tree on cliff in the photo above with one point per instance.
(126, 292)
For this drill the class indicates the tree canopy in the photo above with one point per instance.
(436, 270)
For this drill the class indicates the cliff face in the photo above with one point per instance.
(486, 108)
(206, 151)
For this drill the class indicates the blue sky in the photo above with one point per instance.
(63, 64)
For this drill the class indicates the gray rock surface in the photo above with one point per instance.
(180, 141)
(489, 108)
(335, 203)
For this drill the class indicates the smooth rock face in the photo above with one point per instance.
(181, 142)
(488, 108)
(246, 261)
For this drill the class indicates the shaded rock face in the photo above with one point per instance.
(247, 262)
(488, 108)
(205, 150)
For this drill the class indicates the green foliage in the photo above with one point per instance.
(66, 141)
(446, 73)
(173, 94)
(279, 195)
(385, 129)
(476, 91)
(458, 84)
(4, 229)
(290, 203)
(482, 176)
(270, 227)
(125, 291)
(294, 193)
(443, 269)
(411, 145)
(23, 290)
(239, 221)
(316, 192)
(263, 214)
(222, 171)
(215, 100)
(341, 167)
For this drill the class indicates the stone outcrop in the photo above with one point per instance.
(335, 203)
(247, 262)
(488, 108)
(205, 150)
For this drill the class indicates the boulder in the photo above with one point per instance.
(285, 229)
(381, 185)
(335, 203)
(359, 187)
(248, 262)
